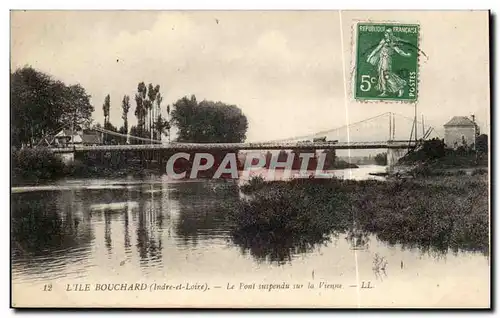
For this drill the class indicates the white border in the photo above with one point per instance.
(251, 5)
(185, 4)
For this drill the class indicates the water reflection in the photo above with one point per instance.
(358, 238)
(380, 265)
(147, 242)
(278, 248)
(153, 225)
(48, 230)
(201, 205)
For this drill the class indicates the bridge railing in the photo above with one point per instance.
(243, 146)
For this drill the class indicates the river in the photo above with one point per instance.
(157, 230)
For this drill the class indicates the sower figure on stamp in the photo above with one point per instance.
(381, 57)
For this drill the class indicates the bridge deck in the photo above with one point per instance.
(242, 146)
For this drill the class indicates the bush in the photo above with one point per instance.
(450, 213)
(254, 184)
(482, 144)
(381, 159)
(285, 217)
(311, 207)
(35, 164)
(433, 148)
(342, 164)
(77, 169)
(479, 171)
(422, 171)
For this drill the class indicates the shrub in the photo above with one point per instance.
(254, 184)
(381, 159)
(301, 206)
(35, 164)
(422, 171)
(479, 171)
(77, 168)
(451, 212)
(433, 148)
(482, 144)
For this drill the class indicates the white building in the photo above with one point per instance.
(460, 131)
(67, 138)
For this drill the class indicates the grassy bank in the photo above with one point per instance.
(438, 213)
(30, 165)
(424, 171)
(434, 155)
(34, 166)
(342, 164)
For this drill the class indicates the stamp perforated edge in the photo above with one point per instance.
(352, 71)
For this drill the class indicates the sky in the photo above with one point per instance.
(289, 71)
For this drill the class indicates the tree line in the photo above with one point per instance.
(41, 106)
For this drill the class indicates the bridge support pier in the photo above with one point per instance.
(393, 155)
(66, 157)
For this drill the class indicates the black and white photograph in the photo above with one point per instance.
(250, 159)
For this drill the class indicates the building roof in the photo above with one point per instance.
(86, 136)
(460, 121)
(76, 139)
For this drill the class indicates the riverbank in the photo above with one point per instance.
(434, 159)
(86, 172)
(342, 164)
(435, 213)
(31, 166)
(424, 171)
(40, 166)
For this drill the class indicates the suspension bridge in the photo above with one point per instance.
(378, 132)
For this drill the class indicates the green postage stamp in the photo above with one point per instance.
(386, 62)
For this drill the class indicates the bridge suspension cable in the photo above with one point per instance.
(428, 128)
(324, 132)
(350, 125)
(308, 136)
(353, 124)
(113, 133)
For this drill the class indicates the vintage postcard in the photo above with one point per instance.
(250, 159)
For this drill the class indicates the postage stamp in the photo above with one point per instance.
(222, 159)
(387, 62)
